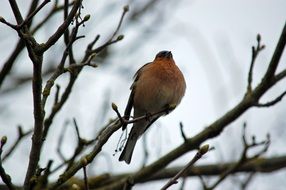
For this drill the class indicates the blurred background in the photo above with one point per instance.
(211, 43)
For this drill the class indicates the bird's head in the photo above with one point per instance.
(164, 55)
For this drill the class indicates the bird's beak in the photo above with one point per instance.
(169, 54)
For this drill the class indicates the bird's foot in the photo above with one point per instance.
(148, 116)
(170, 107)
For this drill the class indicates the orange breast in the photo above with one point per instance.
(159, 84)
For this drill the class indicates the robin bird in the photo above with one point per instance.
(157, 85)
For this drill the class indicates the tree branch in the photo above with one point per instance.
(111, 40)
(276, 56)
(5, 177)
(56, 8)
(32, 14)
(60, 31)
(263, 165)
(255, 51)
(7, 66)
(100, 141)
(243, 158)
(16, 11)
(273, 102)
(21, 136)
(203, 150)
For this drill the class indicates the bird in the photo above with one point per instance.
(157, 85)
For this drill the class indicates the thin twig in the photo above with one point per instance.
(56, 8)
(5, 177)
(144, 117)
(91, 44)
(78, 150)
(273, 102)
(66, 33)
(244, 158)
(58, 87)
(203, 150)
(60, 70)
(125, 10)
(136, 13)
(101, 140)
(182, 132)
(61, 29)
(42, 179)
(111, 39)
(85, 178)
(249, 178)
(145, 150)
(182, 187)
(76, 129)
(202, 180)
(30, 17)
(7, 66)
(81, 144)
(2, 20)
(255, 51)
(60, 141)
(21, 136)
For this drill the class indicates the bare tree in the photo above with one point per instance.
(37, 177)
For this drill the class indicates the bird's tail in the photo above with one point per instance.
(127, 152)
(137, 130)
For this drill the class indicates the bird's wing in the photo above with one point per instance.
(137, 76)
(128, 108)
(131, 97)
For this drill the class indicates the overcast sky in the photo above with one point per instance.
(211, 43)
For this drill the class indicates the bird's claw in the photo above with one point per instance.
(148, 116)
(170, 107)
